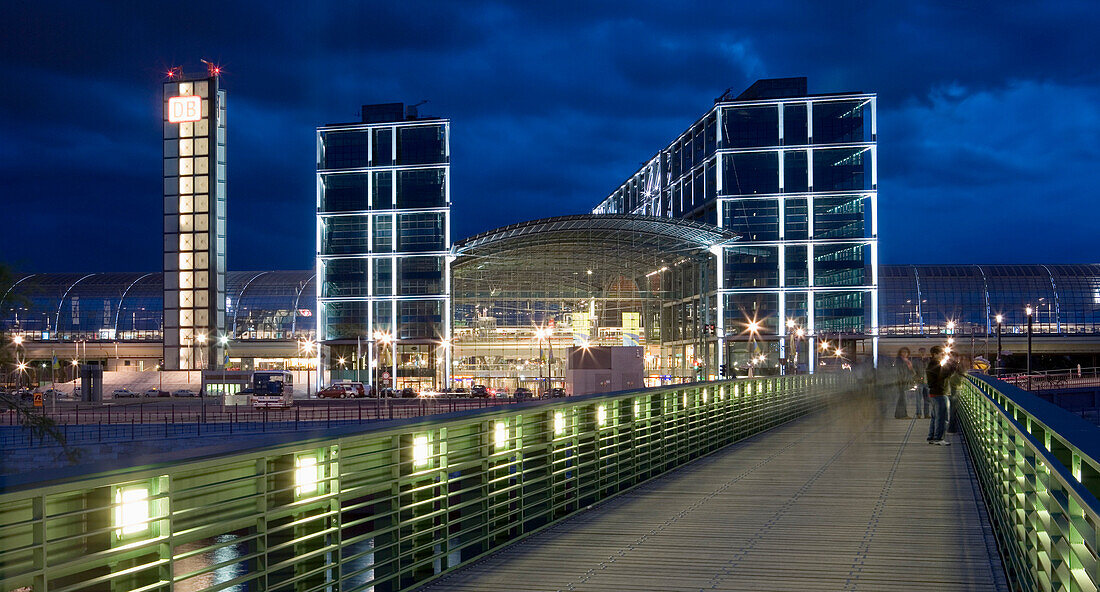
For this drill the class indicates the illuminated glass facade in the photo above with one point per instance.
(129, 307)
(194, 222)
(922, 299)
(383, 240)
(795, 176)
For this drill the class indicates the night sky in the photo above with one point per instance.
(989, 117)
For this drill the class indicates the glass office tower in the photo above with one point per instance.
(194, 221)
(383, 241)
(795, 175)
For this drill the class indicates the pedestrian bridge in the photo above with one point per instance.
(782, 483)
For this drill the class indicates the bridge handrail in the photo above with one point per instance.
(1039, 470)
(387, 508)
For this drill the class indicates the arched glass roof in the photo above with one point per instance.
(595, 229)
(70, 306)
(922, 299)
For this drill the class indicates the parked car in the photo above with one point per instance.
(557, 392)
(358, 390)
(461, 392)
(52, 392)
(122, 393)
(479, 391)
(408, 393)
(523, 393)
(184, 393)
(336, 391)
(156, 393)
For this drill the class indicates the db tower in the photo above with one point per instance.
(194, 220)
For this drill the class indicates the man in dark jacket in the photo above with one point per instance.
(941, 367)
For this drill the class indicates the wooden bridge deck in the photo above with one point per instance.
(842, 500)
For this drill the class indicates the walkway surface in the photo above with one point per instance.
(842, 500)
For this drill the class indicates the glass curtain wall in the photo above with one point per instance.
(796, 177)
(382, 254)
(525, 298)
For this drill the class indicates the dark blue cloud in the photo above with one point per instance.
(988, 114)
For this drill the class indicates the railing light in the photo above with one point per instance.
(601, 415)
(500, 435)
(559, 423)
(305, 474)
(131, 510)
(420, 451)
(704, 396)
(637, 409)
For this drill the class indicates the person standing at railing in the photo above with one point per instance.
(920, 368)
(904, 378)
(939, 372)
(964, 365)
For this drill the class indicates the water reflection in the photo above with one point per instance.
(224, 553)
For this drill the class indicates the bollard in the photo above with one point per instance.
(360, 412)
(166, 426)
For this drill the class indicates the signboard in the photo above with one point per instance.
(182, 109)
(38, 399)
(582, 330)
(632, 328)
(385, 375)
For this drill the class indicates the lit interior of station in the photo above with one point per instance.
(525, 294)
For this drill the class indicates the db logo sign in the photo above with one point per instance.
(184, 109)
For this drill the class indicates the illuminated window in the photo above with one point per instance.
(500, 434)
(185, 261)
(559, 423)
(132, 511)
(306, 475)
(421, 452)
(601, 415)
(187, 280)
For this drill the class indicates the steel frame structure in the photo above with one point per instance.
(1039, 470)
(386, 508)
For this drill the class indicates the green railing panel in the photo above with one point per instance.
(1039, 470)
(388, 507)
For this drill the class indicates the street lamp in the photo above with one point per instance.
(542, 334)
(754, 328)
(1030, 315)
(201, 337)
(1000, 320)
(384, 338)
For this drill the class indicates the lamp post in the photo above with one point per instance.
(800, 334)
(383, 338)
(754, 328)
(1030, 312)
(224, 342)
(1000, 319)
(18, 341)
(542, 334)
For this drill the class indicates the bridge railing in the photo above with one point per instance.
(385, 508)
(1039, 469)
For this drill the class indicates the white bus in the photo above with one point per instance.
(272, 388)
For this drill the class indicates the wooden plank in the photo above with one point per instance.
(842, 500)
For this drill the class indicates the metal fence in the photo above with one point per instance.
(383, 507)
(93, 424)
(1039, 469)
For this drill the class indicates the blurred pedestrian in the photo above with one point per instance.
(904, 378)
(920, 367)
